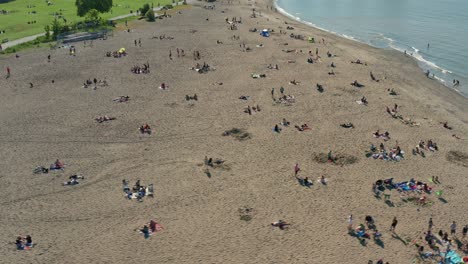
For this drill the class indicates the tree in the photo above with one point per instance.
(56, 28)
(92, 16)
(144, 9)
(47, 32)
(150, 15)
(84, 6)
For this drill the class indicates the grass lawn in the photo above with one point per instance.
(16, 24)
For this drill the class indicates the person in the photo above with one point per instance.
(394, 224)
(323, 180)
(282, 90)
(48, 58)
(280, 223)
(145, 231)
(296, 169)
(464, 231)
(19, 243)
(8, 72)
(29, 242)
(453, 228)
(152, 226)
(431, 224)
(350, 222)
(277, 129)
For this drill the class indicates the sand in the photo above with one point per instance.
(94, 223)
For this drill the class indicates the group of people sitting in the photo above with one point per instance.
(116, 54)
(137, 191)
(73, 180)
(145, 129)
(104, 118)
(393, 154)
(202, 68)
(188, 97)
(393, 112)
(363, 101)
(294, 82)
(57, 165)
(24, 243)
(212, 162)
(150, 228)
(287, 99)
(385, 136)
(302, 127)
(250, 110)
(431, 146)
(96, 82)
(137, 69)
(273, 67)
(161, 37)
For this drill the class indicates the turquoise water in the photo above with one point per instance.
(399, 24)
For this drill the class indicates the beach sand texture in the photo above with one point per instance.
(94, 223)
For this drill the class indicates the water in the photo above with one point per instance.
(399, 24)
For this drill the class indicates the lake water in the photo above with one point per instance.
(398, 24)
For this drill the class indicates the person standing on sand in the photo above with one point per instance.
(273, 92)
(8, 72)
(282, 90)
(394, 224)
(296, 169)
(135, 42)
(170, 54)
(464, 231)
(350, 222)
(431, 224)
(453, 228)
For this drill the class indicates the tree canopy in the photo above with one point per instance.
(84, 6)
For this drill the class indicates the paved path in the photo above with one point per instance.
(31, 38)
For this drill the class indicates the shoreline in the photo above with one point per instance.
(421, 61)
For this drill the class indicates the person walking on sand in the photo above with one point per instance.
(296, 169)
(394, 224)
(273, 92)
(135, 42)
(170, 54)
(282, 90)
(8, 72)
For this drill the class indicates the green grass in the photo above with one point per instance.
(16, 26)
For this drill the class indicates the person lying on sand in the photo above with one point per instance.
(294, 82)
(285, 122)
(194, 97)
(373, 77)
(281, 224)
(322, 180)
(331, 72)
(347, 125)
(105, 118)
(445, 125)
(121, 99)
(358, 62)
(305, 182)
(393, 92)
(357, 84)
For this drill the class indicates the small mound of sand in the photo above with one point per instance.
(238, 133)
(245, 213)
(458, 158)
(338, 159)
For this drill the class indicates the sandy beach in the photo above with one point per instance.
(93, 222)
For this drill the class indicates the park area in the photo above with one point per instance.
(22, 18)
